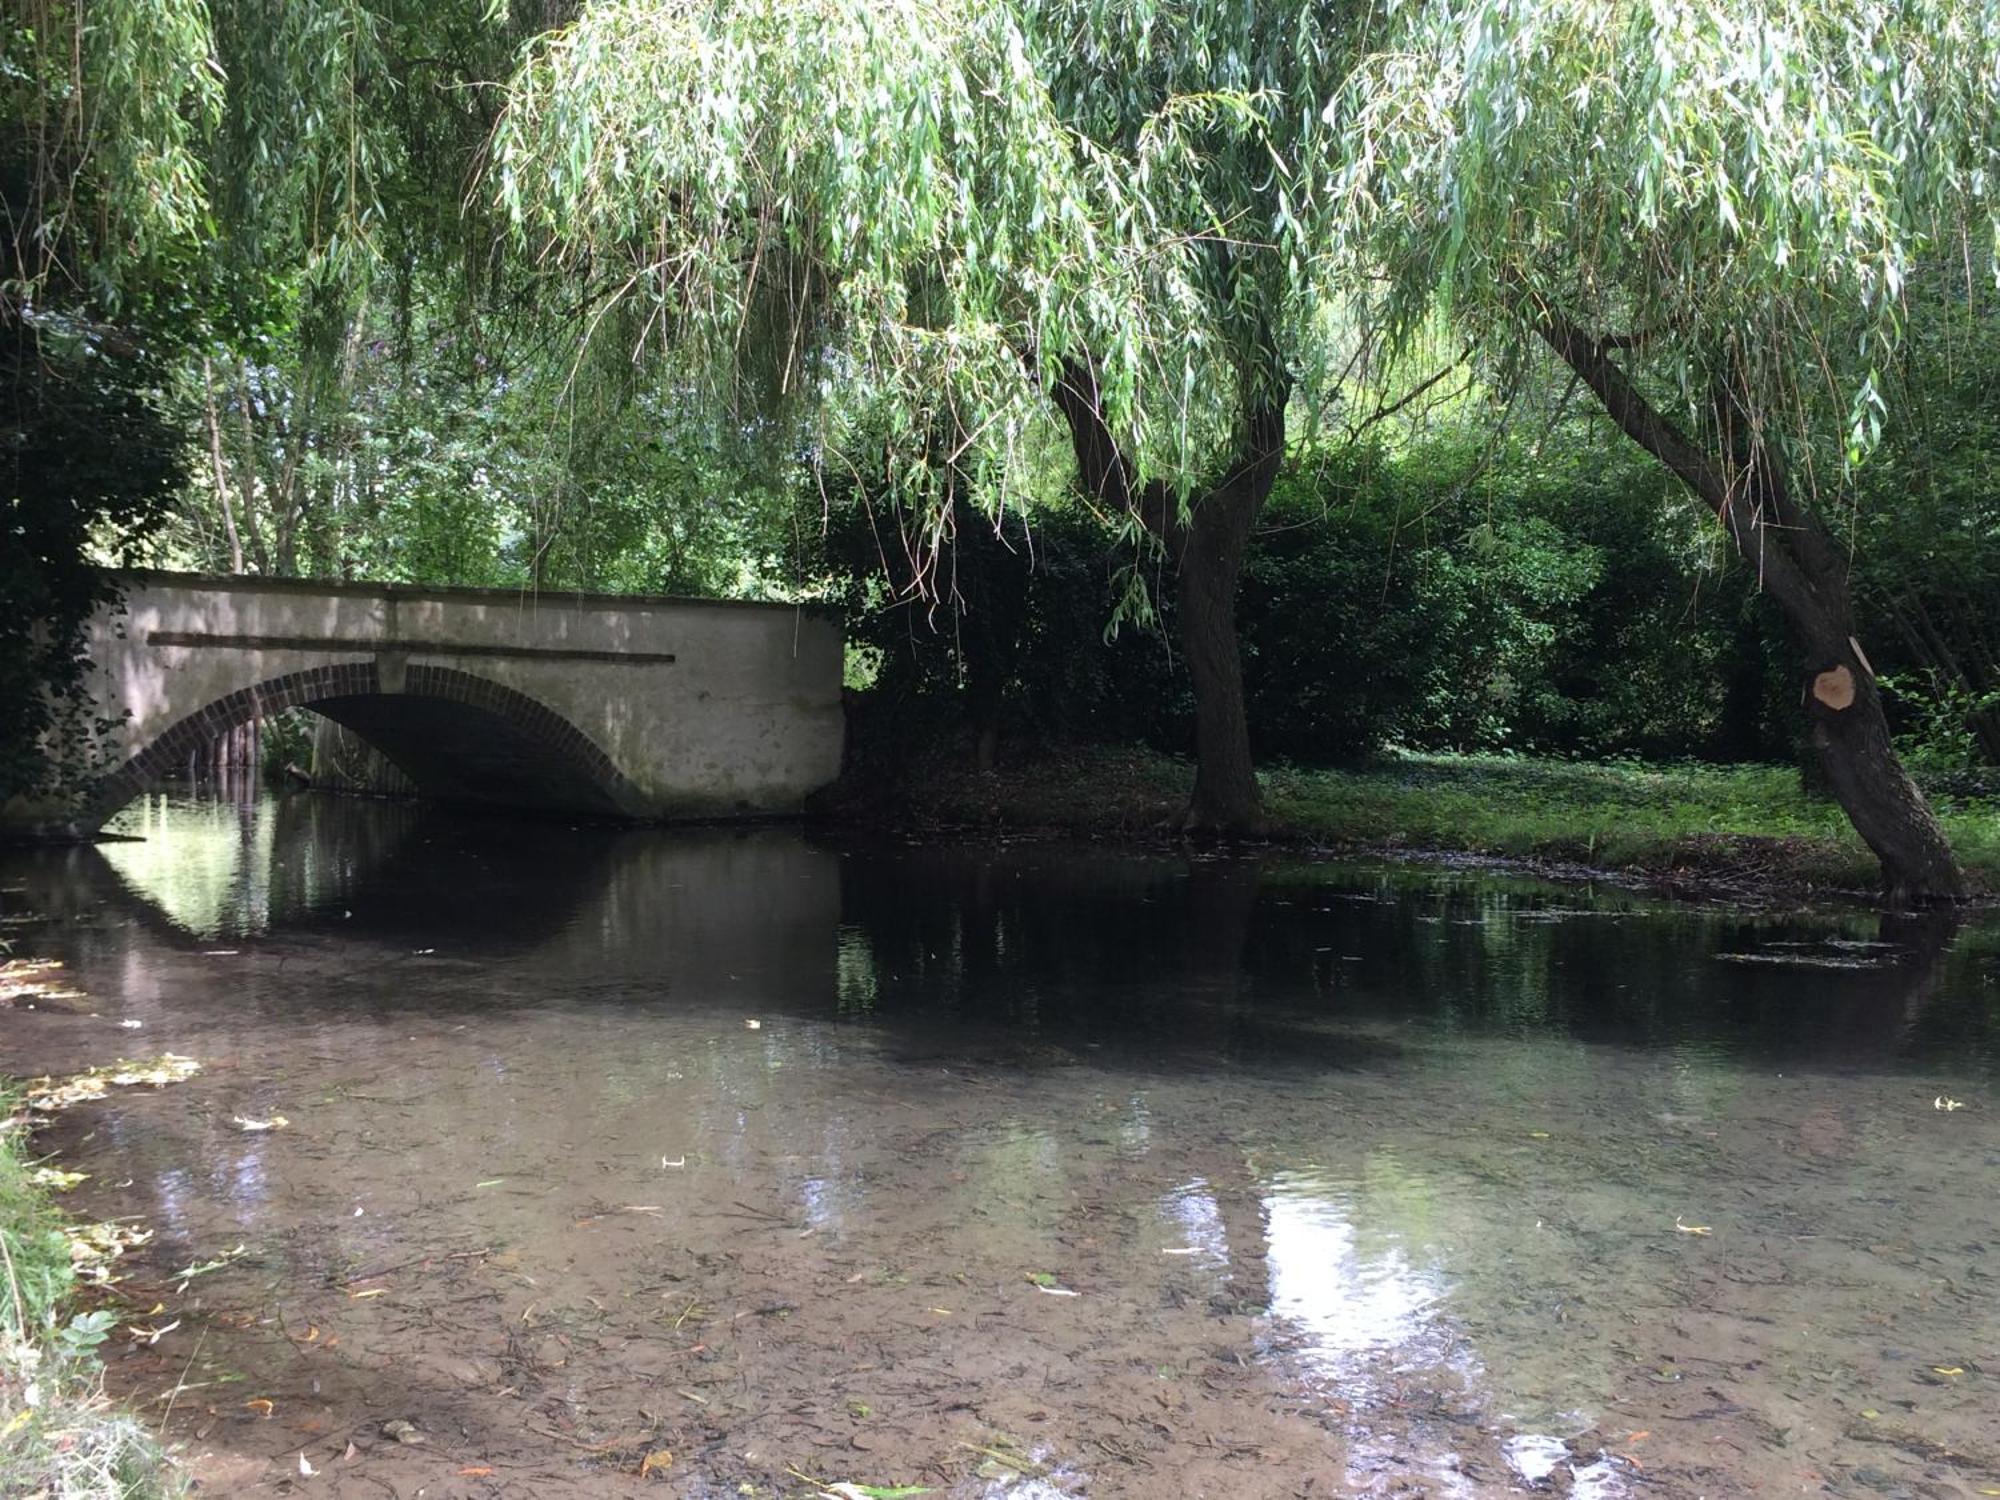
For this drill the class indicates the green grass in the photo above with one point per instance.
(1752, 824)
(59, 1437)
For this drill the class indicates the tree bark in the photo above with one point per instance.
(1206, 540)
(221, 471)
(1209, 548)
(252, 528)
(1802, 568)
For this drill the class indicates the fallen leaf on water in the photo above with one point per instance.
(276, 1122)
(1183, 1250)
(1057, 1291)
(1538, 1135)
(474, 1471)
(305, 1468)
(659, 1458)
(260, 1404)
(373, 1291)
(1948, 1369)
(848, 1490)
(402, 1431)
(1691, 1228)
(1870, 1413)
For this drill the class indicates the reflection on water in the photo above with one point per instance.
(1143, 1173)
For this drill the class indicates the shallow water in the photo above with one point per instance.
(1016, 1171)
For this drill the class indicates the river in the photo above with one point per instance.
(724, 1162)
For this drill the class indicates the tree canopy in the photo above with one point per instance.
(1741, 191)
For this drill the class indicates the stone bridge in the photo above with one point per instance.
(613, 706)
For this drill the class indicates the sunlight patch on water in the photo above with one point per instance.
(1197, 1221)
(1354, 1301)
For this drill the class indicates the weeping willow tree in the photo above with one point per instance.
(1709, 215)
(170, 172)
(949, 239)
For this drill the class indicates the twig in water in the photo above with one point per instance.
(181, 1384)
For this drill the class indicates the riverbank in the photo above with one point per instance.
(1747, 831)
(60, 1437)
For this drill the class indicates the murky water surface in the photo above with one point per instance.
(753, 1161)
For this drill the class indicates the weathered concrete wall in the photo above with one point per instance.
(648, 707)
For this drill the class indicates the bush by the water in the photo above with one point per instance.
(59, 1436)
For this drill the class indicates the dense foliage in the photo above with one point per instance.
(90, 442)
(1538, 597)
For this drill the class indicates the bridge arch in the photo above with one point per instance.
(458, 736)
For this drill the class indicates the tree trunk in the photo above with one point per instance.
(1850, 734)
(1207, 542)
(1211, 546)
(247, 488)
(1802, 568)
(220, 470)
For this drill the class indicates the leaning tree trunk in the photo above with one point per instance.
(1207, 541)
(1850, 735)
(1803, 569)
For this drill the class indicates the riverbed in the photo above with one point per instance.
(532, 1160)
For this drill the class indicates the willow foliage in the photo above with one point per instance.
(109, 104)
(1749, 183)
(901, 219)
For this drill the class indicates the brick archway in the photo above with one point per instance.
(568, 748)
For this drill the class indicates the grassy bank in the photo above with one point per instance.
(59, 1437)
(1746, 826)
